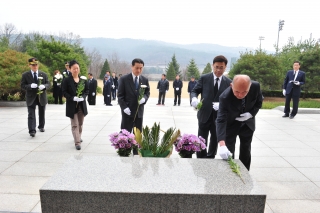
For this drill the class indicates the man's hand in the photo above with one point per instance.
(194, 102)
(78, 99)
(166, 91)
(177, 89)
(113, 86)
(108, 95)
(297, 83)
(41, 87)
(93, 94)
(284, 92)
(224, 152)
(215, 106)
(245, 116)
(142, 101)
(127, 111)
(33, 85)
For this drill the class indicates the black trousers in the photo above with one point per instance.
(177, 95)
(58, 97)
(32, 115)
(91, 100)
(245, 135)
(162, 95)
(113, 93)
(295, 101)
(128, 124)
(203, 131)
(107, 100)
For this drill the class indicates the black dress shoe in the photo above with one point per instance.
(291, 117)
(41, 129)
(32, 134)
(78, 147)
(285, 116)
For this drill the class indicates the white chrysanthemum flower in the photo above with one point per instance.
(55, 79)
(83, 77)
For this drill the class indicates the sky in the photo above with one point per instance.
(231, 23)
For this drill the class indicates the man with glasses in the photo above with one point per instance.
(239, 104)
(210, 86)
(35, 83)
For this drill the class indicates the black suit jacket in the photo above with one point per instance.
(92, 86)
(288, 86)
(128, 96)
(69, 92)
(205, 87)
(31, 93)
(231, 107)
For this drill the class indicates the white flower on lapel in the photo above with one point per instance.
(64, 73)
(83, 77)
(143, 86)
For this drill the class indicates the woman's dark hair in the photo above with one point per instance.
(72, 62)
(137, 60)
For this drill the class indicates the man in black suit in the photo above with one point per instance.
(177, 86)
(210, 86)
(92, 90)
(292, 89)
(36, 83)
(128, 93)
(239, 104)
(66, 72)
(163, 87)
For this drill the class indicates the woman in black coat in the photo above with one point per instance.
(57, 90)
(76, 107)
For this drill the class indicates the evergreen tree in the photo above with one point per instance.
(104, 69)
(171, 72)
(207, 69)
(192, 69)
(175, 65)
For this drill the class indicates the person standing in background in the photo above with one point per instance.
(114, 86)
(163, 87)
(92, 90)
(292, 89)
(177, 86)
(107, 90)
(192, 83)
(57, 90)
(35, 83)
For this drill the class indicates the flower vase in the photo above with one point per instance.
(124, 152)
(185, 154)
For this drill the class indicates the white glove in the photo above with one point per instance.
(41, 87)
(177, 89)
(77, 99)
(93, 94)
(127, 111)
(215, 106)
(158, 89)
(113, 86)
(188, 92)
(108, 95)
(143, 100)
(116, 90)
(80, 99)
(58, 84)
(297, 83)
(166, 90)
(194, 102)
(33, 85)
(224, 152)
(284, 92)
(245, 116)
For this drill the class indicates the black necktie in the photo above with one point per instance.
(35, 77)
(215, 89)
(243, 105)
(136, 82)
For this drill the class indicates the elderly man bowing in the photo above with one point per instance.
(239, 104)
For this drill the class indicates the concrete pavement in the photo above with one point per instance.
(285, 153)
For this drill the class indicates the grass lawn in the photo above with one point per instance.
(271, 102)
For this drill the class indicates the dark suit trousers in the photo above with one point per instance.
(32, 115)
(203, 131)
(162, 95)
(177, 94)
(295, 100)
(113, 93)
(91, 100)
(245, 135)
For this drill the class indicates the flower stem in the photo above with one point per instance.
(136, 113)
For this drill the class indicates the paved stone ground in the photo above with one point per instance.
(286, 153)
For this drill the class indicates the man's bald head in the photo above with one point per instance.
(241, 86)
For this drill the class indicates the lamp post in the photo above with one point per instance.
(281, 23)
(261, 38)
